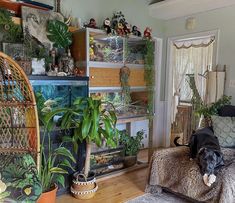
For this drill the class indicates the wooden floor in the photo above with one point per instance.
(116, 189)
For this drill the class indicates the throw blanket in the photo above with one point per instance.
(171, 168)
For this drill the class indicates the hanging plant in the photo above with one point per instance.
(149, 74)
(124, 79)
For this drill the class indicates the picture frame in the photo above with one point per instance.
(14, 50)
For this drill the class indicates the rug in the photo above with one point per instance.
(162, 198)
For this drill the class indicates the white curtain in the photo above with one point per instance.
(190, 58)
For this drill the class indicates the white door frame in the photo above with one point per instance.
(169, 72)
(157, 127)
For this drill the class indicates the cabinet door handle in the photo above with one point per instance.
(92, 76)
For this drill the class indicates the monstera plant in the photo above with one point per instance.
(58, 34)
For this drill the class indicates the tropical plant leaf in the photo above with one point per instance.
(58, 170)
(66, 163)
(59, 34)
(60, 179)
(65, 152)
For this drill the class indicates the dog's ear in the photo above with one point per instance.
(219, 158)
(201, 151)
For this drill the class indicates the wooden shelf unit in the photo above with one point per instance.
(105, 77)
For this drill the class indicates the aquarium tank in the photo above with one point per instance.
(62, 89)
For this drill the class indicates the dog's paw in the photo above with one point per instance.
(212, 179)
(206, 180)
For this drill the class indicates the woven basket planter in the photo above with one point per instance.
(83, 189)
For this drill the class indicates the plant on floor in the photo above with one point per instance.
(53, 162)
(131, 144)
(92, 121)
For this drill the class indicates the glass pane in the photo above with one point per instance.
(106, 49)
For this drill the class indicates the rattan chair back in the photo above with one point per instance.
(19, 128)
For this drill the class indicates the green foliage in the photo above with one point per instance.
(212, 109)
(131, 145)
(149, 74)
(92, 121)
(124, 79)
(11, 32)
(54, 162)
(59, 34)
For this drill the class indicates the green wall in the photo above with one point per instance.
(222, 19)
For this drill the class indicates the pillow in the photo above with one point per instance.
(224, 129)
(227, 111)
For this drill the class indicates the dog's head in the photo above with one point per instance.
(209, 159)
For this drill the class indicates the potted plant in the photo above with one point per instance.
(132, 146)
(53, 162)
(207, 110)
(95, 122)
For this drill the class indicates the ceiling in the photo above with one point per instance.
(171, 9)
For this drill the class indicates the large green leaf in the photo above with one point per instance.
(65, 152)
(59, 34)
(58, 170)
(60, 179)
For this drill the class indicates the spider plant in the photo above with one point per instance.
(53, 161)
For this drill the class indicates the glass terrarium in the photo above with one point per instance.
(137, 106)
(135, 50)
(105, 48)
(64, 90)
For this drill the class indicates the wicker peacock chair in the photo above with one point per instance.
(19, 128)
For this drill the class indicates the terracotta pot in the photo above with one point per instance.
(130, 161)
(49, 196)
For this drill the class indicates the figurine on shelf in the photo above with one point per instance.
(135, 31)
(127, 29)
(107, 26)
(92, 24)
(148, 33)
(120, 29)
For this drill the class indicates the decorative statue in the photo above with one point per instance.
(135, 31)
(148, 33)
(92, 24)
(107, 26)
(127, 29)
(120, 29)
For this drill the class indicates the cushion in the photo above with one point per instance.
(227, 111)
(224, 129)
(19, 178)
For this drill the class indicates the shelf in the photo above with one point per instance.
(131, 119)
(118, 172)
(45, 77)
(116, 89)
(98, 64)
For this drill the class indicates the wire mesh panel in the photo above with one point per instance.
(19, 130)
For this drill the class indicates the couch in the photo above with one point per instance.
(171, 169)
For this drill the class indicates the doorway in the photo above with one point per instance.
(189, 58)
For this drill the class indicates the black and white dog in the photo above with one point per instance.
(204, 146)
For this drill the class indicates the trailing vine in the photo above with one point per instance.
(149, 74)
(124, 77)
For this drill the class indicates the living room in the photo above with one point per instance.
(95, 94)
